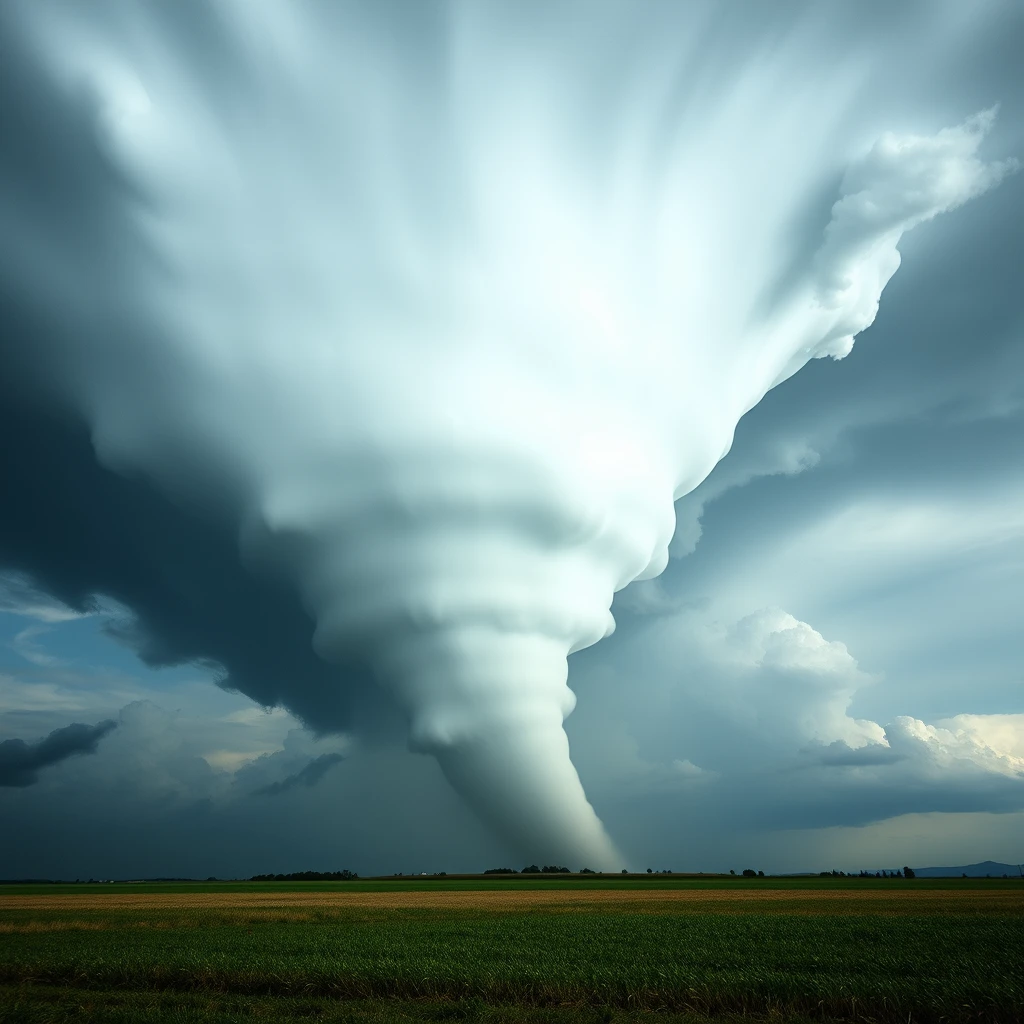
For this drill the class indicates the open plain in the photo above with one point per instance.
(549, 949)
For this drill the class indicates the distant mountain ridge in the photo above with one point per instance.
(986, 867)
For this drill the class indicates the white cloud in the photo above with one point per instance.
(1002, 733)
(688, 770)
(776, 676)
(903, 181)
(992, 743)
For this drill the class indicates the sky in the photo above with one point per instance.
(342, 397)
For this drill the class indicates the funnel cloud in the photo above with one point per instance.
(377, 295)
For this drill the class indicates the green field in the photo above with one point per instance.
(562, 950)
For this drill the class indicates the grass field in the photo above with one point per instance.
(556, 951)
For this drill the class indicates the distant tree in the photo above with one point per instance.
(308, 876)
(501, 871)
(749, 873)
(649, 871)
(531, 869)
(553, 869)
(625, 871)
(731, 871)
(760, 874)
(587, 871)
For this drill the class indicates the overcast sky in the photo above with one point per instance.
(828, 674)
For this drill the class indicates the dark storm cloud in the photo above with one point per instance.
(788, 799)
(71, 527)
(21, 762)
(148, 804)
(849, 794)
(78, 530)
(946, 350)
(308, 776)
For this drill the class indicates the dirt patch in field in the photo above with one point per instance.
(663, 901)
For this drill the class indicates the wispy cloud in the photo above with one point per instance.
(26, 646)
(19, 597)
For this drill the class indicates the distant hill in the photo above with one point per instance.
(986, 867)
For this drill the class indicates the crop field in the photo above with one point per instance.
(561, 952)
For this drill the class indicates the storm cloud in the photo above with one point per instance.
(21, 762)
(225, 426)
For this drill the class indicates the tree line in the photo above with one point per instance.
(905, 873)
(308, 876)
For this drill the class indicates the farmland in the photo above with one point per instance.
(495, 950)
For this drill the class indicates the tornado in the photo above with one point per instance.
(440, 313)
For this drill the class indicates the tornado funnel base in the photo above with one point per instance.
(523, 785)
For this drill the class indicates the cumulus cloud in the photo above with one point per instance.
(902, 182)
(992, 743)
(782, 679)
(21, 762)
(748, 726)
